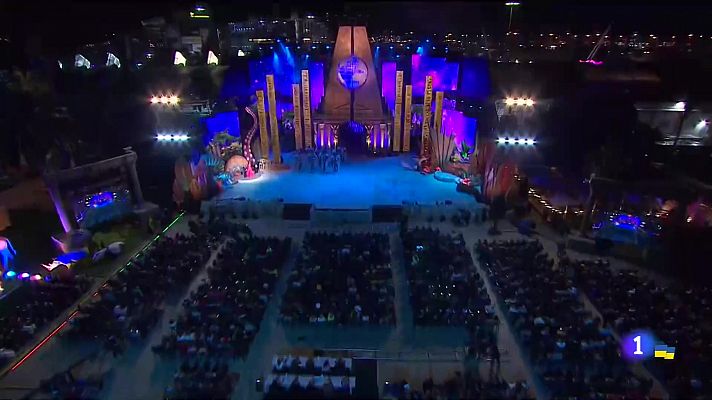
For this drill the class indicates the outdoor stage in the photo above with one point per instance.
(359, 184)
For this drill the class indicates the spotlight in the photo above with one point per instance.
(10, 274)
(24, 275)
(702, 124)
(164, 100)
(518, 141)
(521, 101)
(174, 99)
(509, 101)
(529, 102)
(154, 99)
(680, 105)
(500, 140)
(529, 142)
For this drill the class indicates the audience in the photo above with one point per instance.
(571, 351)
(445, 288)
(222, 316)
(679, 317)
(39, 303)
(457, 388)
(202, 379)
(341, 279)
(130, 303)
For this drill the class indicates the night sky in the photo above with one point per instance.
(63, 24)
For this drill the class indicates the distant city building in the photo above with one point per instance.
(247, 35)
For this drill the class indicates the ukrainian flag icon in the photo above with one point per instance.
(665, 352)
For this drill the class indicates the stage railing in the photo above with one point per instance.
(421, 212)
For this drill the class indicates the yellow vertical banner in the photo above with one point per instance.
(276, 152)
(306, 105)
(297, 116)
(397, 114)
(264, 140)
(427, 115)
(408, 117)
(438, 123)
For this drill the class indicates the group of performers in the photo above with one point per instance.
(322, 159)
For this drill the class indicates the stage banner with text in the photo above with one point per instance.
(408, 117)
(306, 106)
(427, 115)
(276, 152)
(264, 140)
(397, 114)
(297, 116)
(438, 122)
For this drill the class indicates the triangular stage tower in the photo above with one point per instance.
(353, 91)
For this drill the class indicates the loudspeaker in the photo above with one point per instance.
(386, 213)
(297, 211)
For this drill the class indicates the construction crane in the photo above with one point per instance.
(590, 59)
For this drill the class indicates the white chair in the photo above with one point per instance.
(319, 381)
(338, 382)
(304, 381)
(275, 362)
(318, 363)
(268, 382)
(303, 362)
(352, 384)
(288, 379)
(347, 363)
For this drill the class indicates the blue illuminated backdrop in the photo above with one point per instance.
(444, 74)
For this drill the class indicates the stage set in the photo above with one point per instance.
(360, 137)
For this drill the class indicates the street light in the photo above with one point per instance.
(511, 5)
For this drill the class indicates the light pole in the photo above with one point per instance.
(511, 5)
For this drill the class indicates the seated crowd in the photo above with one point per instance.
(202, 379)
(38, 304)
(341, 279)
(457, 388)
(130, 303)
(309, 377)
(678, 316)
(445, 287)
(318, 365)
(222, 316)
(572, 353)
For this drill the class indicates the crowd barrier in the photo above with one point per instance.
(416, 212)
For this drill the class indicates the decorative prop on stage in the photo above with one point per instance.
(264, 140)
(247, 145)
(442, 147)
(306, 106)
(7, 254)
(297, 104)
(397, 112)
(335, 132)
(408, 117)
(438, 122)
(427, 116)
(276, 152)
(193, 181)
(369, 132)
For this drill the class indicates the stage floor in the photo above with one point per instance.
(359, 184)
